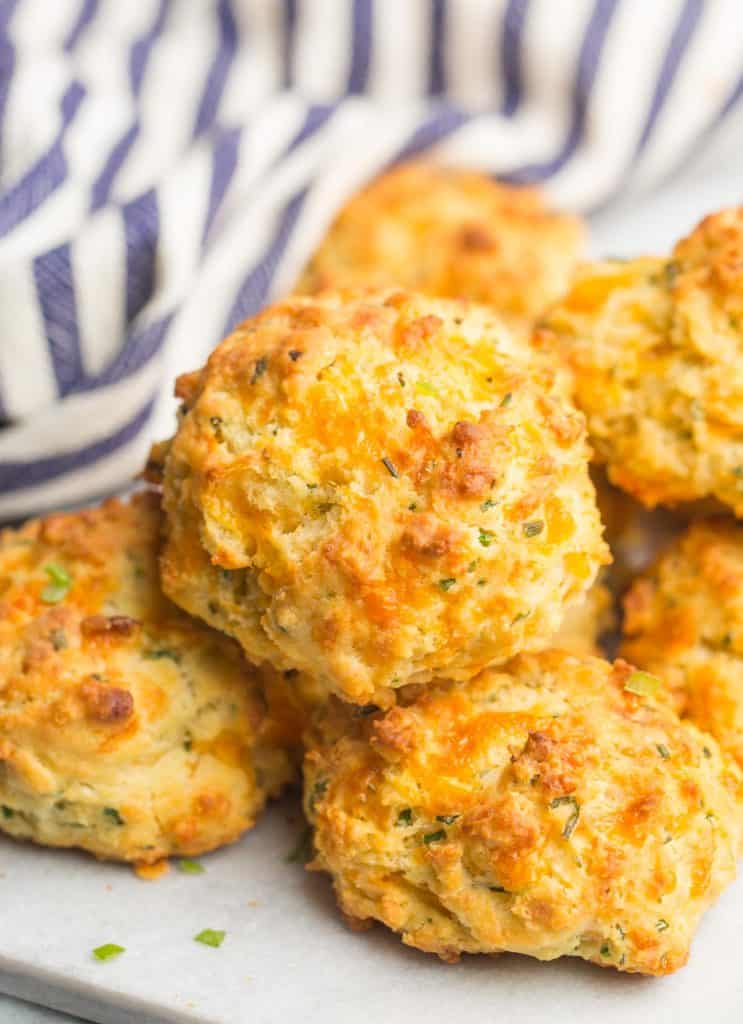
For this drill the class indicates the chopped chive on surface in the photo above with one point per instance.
(434, 837)
(405, 817)
(59, 584)
(663, 750)
(486, 537)
(448, 819)
(390, 467)
(533, 528)
(108, 951)
(488, 504)
(506, 400)
(661, 925)
(190, 867)
(447, 584)
(7, 811)
(605, 950)
(572, 820)
(642, 684)
(210, 937)
(113, 815)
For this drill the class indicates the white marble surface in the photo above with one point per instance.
(17, 1011)
(287, 957)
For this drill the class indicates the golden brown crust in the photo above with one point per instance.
(684, 619)
(126, 728)
(656, 348)
(379, 488)
(451, 234)
(542, 809)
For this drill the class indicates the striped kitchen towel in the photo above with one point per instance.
(167, 166)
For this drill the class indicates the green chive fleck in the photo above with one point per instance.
(190, 867)
(108, 951)
(158, 653)
(642, 684)
(302, 852)
(404, 818)
(113, 815)
(671, 272)
(318, 792)
(661, 924)
(434, 837)
(486, 537)
(59, 584)
(390, 467)
(605, 950)
(707, 752)
(58, 638)
(210, 937)
(7, 811)
(448, 819)
(447, 584)
(572, 820)
(533, 528)
(662, 750)
(488, 504)
(506, 400)
(259, 368)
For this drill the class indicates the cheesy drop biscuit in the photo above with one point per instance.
(656, 348)
(377, 489)
(451, 234)
(126, 728)
(684, 620)
(552, 808)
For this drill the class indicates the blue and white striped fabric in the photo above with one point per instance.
(166, 167)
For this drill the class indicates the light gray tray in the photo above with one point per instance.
(288, 957)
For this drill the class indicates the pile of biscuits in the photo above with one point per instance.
(373, 556)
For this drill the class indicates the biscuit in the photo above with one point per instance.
(126, 728)
(551, 808)
(451, 234)
(656, 349)
(684, 620)
(376, 489)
